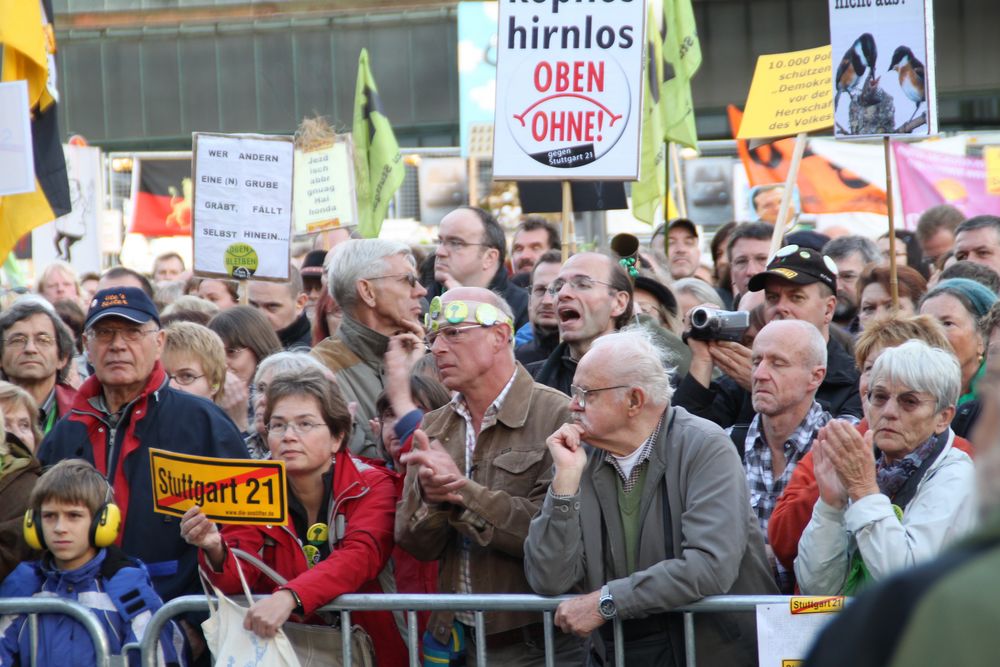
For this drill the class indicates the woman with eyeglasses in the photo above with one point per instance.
(194, 359)
(248, 338)
(340, 533)
(894, 497)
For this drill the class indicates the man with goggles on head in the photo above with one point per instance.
(478, 471)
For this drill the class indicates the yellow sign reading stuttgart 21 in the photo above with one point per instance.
(228, 490)
(816, 604)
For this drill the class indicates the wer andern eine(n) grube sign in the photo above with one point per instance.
(569, 89)
(242, 211)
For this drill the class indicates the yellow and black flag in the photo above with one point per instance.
(378, 166)
(29, 48)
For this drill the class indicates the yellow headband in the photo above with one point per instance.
(455, 312)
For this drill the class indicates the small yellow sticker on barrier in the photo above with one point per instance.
(791, 663)
(816, 605)
(244, 491)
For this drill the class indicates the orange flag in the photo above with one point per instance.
(823, 186)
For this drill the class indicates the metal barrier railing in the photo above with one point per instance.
(479, 604)
(79, 613)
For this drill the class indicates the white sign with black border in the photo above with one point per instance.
(242, 209)
(569, 90)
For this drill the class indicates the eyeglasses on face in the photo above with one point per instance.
(907, 401)
(453, 334)
(19, 341)
(579, 283)
(302, 427)
(408, 277)
(107, 334)
(455, 244)
(579, 394)
(185, 378)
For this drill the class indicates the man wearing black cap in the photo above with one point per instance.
(683, 250)
(123, 409)
(799, 284)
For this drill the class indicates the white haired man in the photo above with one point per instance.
(375, 282)
(653, 515)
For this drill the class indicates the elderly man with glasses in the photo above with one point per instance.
(477, 473)
(472, 252)
(648, 511)
(122, 411)
(375, 283)
(593, 297)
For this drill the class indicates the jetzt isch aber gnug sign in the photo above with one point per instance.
(569, 90)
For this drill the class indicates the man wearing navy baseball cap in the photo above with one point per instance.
(799, 284)
(123, 409)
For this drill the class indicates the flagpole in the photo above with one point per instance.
(473, 181)
(893, 278)
(567, 214)
(678, 181)
(786, 197)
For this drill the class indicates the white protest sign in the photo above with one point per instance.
(324, 187)
(17, 154)
(569, 90)
(883, 67)
(242, 211)
(786, 631)
(75, 237)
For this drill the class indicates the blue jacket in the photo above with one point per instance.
(163, 418)
(116, 588)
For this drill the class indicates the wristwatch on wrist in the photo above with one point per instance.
(606, 605)
(298, 601)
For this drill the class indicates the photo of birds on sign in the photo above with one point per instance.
(880, 77)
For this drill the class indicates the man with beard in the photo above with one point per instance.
(534, 237)
(593, 296)
(852, 255)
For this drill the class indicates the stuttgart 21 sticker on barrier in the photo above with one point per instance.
(569, 90)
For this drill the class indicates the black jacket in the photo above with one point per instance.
(727, 404)
(557, 370)
(297, 336)
(538, 348)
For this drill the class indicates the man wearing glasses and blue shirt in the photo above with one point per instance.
(476, 475)
(593, 297)
(125, 408)
(471, 252)
(375, 283)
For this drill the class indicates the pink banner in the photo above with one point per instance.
(928, 178)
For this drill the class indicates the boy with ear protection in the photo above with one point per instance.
(73, 520)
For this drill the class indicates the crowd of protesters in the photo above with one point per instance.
(489, 418)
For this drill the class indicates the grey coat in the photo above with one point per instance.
(577, 544)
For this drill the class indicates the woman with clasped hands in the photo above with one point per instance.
(894, 497)
(341, 512)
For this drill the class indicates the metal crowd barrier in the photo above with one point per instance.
(478, 604)
(45, 605)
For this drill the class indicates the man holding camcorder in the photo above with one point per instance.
(799, 284)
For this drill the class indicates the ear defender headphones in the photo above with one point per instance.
(104, 525)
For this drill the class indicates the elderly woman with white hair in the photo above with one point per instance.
(897, 495)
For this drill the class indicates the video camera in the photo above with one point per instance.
(714, 324)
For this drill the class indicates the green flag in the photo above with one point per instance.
(378, 166)
(648, 191)
(681, 59)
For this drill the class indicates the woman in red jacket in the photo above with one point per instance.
(342, 513)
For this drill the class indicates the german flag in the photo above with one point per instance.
(29, 48)
(161, 197)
